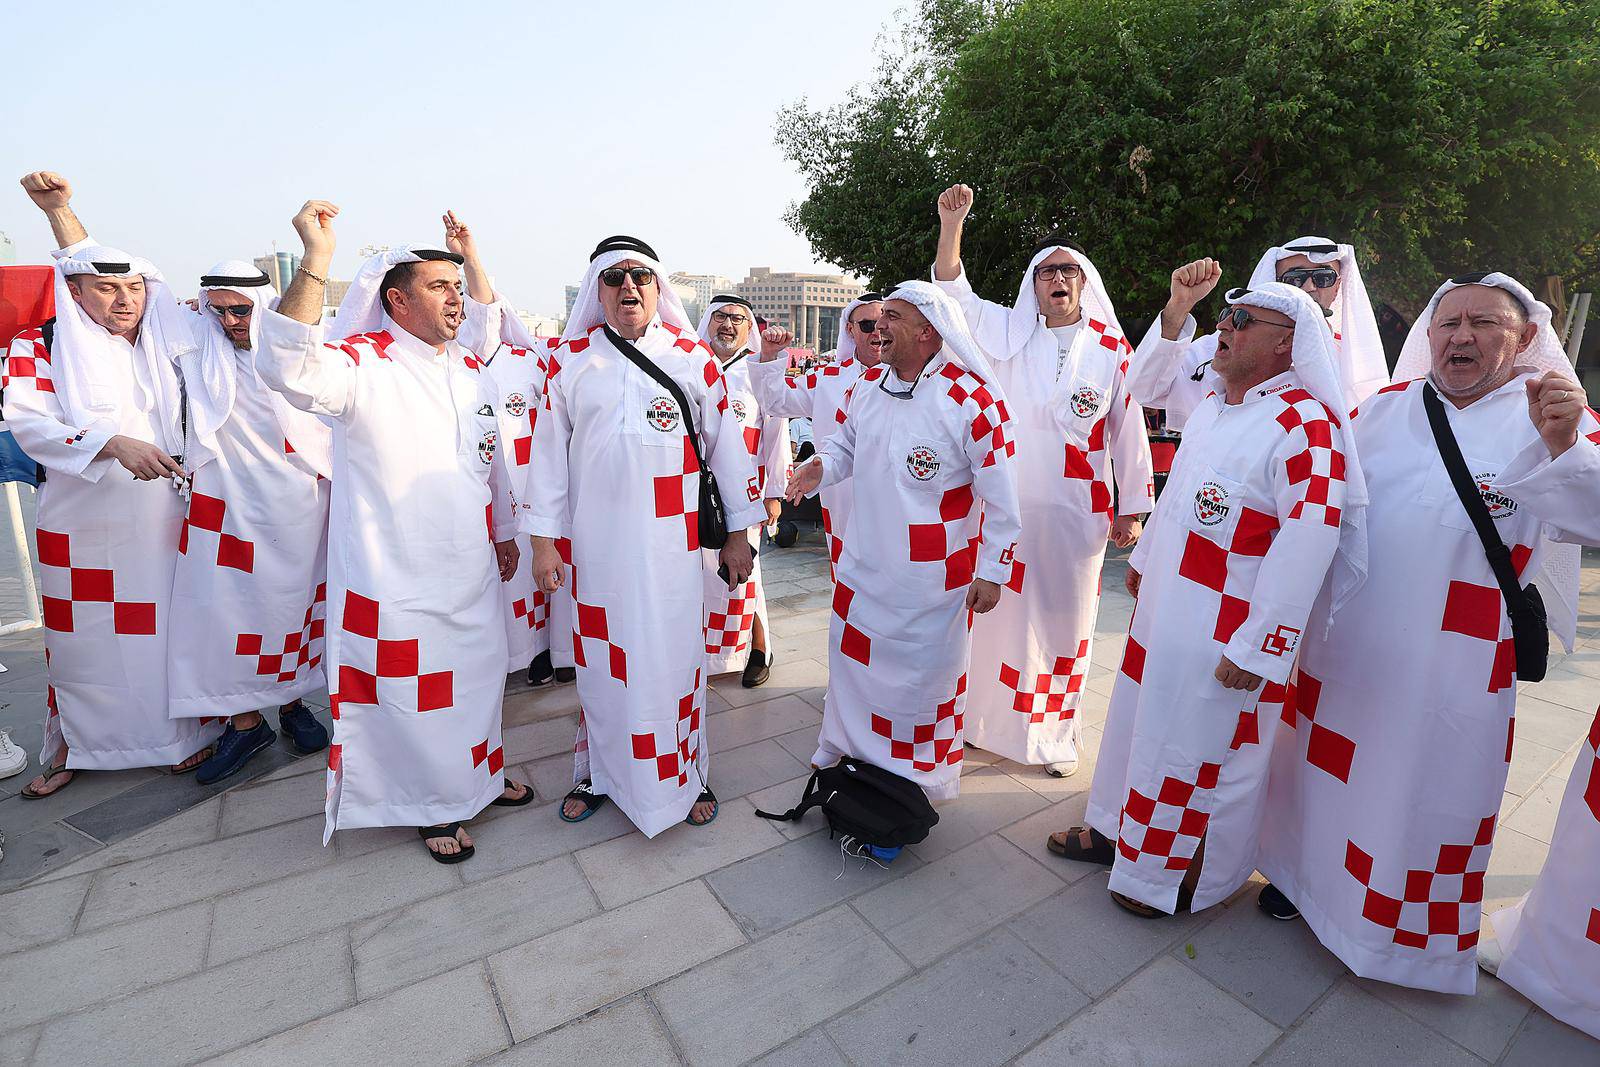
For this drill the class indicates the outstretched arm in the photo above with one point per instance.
(52, 195)
(955, 203)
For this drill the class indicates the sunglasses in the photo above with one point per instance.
(612, 276)
(1321, 277)
(238, 311)
(1051, 271)
(1241, 317)
(866, 325)
(716, 316)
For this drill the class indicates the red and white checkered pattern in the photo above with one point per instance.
(674, 760)
(943, 541)
(206, 513)
(730, 632)
(933, 744)
(34, 367)
(1327, 750)
(1208, 563)
(991, 422)
(1168, 827)
(85, 586)
(678, 497)
(535, 612)
(592, 626)
(1442, 901)
(1321, 463)
(852, 642)
(1478, 611)
(398, 661)
(1051, 696)
(490, 759)
(375, 344)
(304, 645)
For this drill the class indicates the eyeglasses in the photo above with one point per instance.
(1321, 277)
(716, 316)
(866, 325)
(238, 311)
(1051, 271)
(1240, 317)
(642, 276)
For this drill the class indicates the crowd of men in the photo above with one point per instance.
(243, 505)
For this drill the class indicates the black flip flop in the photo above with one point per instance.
(49, 773)
(502, 801)
(706, 797)
(430, 833)
(1100, 850)
(583, 791)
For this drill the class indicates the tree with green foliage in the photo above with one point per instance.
(1437, 136)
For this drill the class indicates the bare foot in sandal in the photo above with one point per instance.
(446, 846)
(53, 780)
(193, 761)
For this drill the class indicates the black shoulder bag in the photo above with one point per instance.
(713, 516)
(1530, 630)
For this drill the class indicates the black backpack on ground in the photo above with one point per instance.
(870, 804)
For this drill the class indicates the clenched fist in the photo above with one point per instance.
(774, 339)
(314, 224)
(1556, 404)
(955, 203)
(47, 189)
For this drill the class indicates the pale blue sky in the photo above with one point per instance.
(192, 132)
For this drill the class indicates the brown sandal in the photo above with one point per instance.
(27, 792)
(198, 757)
(1084, 844)
(1145, 911)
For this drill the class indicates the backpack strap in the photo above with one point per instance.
(808, 800)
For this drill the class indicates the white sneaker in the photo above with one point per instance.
(1064, 769)
(12, 759)
(1490, 956)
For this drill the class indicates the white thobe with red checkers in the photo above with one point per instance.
(935, 506)
(416, 653)
(1392, 759)
(615, 475)
(1231, 564)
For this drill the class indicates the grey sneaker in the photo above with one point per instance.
(12, 759)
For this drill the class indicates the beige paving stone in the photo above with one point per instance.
(744, 725)
(534, 834)
(1483, 1023)
(789, 676)
(269, 803)
(989, 799)
(623, 951)
(195, 826)
(447, 1020)
(41, 912)
(625, 1034)
(536, 740)
(1350, 1027)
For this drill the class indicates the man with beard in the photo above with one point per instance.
(94, 398)
(421, 532)
(818, 395)
(618, 460)
(1082, 455)
(737, 635)
(1389, 775)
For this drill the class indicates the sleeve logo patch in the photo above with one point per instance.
(662, 414)
(1211, 504)
(1281, 642)
(922, 462)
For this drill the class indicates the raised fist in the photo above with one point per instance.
(955, 203)
(774, 339)
(1193, 282)
(1556, 405)
(314, 224)
(47, 189)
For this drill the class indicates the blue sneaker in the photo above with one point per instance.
(304, 731)
(233, 750)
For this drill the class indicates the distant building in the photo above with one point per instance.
(572, 298)
(808, 304)
(540, 325)
(705, 287)
(280, 267)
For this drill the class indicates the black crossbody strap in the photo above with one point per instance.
(644, 363)
(1467, 490)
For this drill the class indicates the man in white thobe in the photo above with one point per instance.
(94, 398)
(1084, 475)
(1326, 271)
(248, 594)
(1225, 577)
(818, 396)
(616, 473)
(1389, 775)
(927, 438)
(421, 533)
(738, 636)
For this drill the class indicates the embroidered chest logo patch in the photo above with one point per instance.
(1498, 503)
(486, 447)
(922, 462)
(1086, 401)
(1211, 504)
(662, 414)
(738, 409)
(516, 405)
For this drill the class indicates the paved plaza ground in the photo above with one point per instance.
(147, 920)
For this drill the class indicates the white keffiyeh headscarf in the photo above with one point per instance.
(1362, 367)
(210, 375)
(361, 310)
(944, 313)
(88, 356)
(847, 345)
(752, 342)
(1010, 335)
(1560, 574)
(587, 312)
(1315, 363)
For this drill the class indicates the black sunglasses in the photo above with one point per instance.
(238, 311)
(866, 325)
(883, 383)
(1241, 317)
(1321, 277)
(642, 276)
